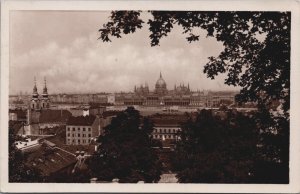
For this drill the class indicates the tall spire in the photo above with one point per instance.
(160, 74)
(34, 91)
(34, 87)
(45, 90)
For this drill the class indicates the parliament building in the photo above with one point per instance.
(180, 95)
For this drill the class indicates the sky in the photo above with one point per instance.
(63, 47)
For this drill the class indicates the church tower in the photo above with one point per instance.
(45, 101)
(35, 102)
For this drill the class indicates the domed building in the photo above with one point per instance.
(161, 86)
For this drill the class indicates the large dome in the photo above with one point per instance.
(160, 82)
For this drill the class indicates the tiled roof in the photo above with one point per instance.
(81, 120)
(110, 113)
(50, 161)
(168, 120)
(52, 116)
(165, 123)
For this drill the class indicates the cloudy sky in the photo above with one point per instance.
(63, 47)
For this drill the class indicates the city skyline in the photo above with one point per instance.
(68, 54)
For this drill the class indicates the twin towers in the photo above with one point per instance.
(42, 101)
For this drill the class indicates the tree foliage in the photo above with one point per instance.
(215, 150)
(256, 53)
(256, 57)
(125, 151)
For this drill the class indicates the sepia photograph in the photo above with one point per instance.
(145, 96)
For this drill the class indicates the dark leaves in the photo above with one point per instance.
(125, 151)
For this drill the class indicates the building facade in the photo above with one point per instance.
(81, 130)
(167, 127)
(180, 95)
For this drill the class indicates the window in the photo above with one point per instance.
(90, 135)
(73, 128)
(73, 141)
(68, 134)
(78, 140)
(160, 130)
(78, 134)
(160, 136)
(164, 130)
(73, 135)
(78, 128)
(89, 129)
(69, 129)
(83, 129)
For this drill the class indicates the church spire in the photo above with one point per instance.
(160, 74)
(45, 90)
(34, 92)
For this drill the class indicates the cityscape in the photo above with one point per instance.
(168, 112)
(69, 124)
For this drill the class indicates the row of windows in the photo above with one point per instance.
(166, 130)
(164, 136)
(79, 141)
(83, 129)
(78, 135)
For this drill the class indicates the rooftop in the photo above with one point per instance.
(51, 116)
(50, 160)
(81, 120)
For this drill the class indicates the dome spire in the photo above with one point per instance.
(34, 92)
(45, 90)
(34, 87)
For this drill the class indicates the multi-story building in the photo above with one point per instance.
(181, 95)
(167, 126)
(81, 130)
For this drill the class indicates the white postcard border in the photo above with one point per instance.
(288, 5)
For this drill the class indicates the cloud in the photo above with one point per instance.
(87, 65)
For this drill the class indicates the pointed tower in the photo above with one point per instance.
(35, 102)
(45, 101)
